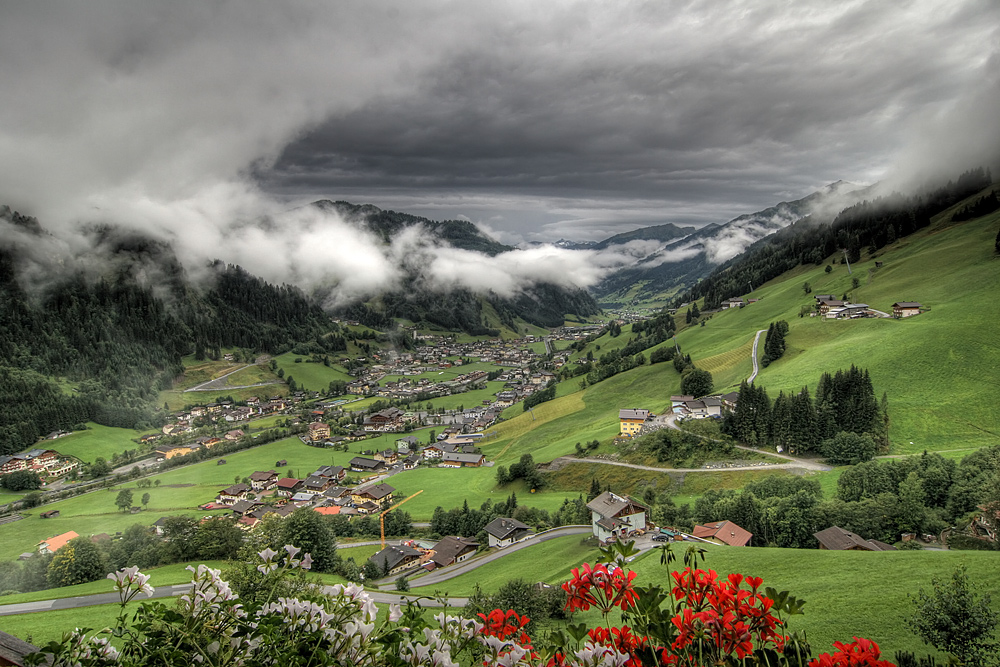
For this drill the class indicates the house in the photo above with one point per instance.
(231, 494)
(453, 550)
(396, 559)
(54, 544)
(407, 444)
(386, 456)
(159, 524)
(377, 493)
(362, 464)
(432, 452)
(319, 431)
(288, 486)
(632, 421)
(503, 532)
(613, 516)
(735, 302)
(902, 309)
(261, 481)
(411, 461)
(317, 484)
(836, 538)
(336, 473)
(461, 460)
(826, 305)
(234, 435)
(723, 532)
(301, 499)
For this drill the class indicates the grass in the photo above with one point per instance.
(549, 562)
(164, 575)
(97, 440)
(40, 628)
(310, 376)
(934, 367)
(847, 593)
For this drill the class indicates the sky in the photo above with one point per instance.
(535, 120)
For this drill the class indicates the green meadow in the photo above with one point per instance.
(97, 440)
(936, 368)
(310, 376)
(549, 562)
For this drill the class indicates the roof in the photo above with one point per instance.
(362, 462)
(726, 532)
(234, 490)
(836, 538)
(392, 556)
(633, 414)
(288, 483)
(458, 457)
(612, 505)
(13, 650)
(261, 476)
(377, 491)
(906, 304)
(328, 511)
(59, 541)
(503, 527)
(449, 548)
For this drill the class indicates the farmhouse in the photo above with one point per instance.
(336, 473)
(613, 516)
(263, 481)
(723, 532)
(827, 304)
(453, 550)
(53, 544)
(396, 559)
(377, 493)
(902, 309)
(231, 494)
(362, 464)
(288, 486)
(632, 421)
(836, 538)
(503, 532)
(460, 460)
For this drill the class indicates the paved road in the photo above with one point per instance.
(793, 463)
(379, 596)
(753, 355)
(452, 571)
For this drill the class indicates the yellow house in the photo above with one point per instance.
(631, 421)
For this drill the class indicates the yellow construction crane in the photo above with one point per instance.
(381, 517)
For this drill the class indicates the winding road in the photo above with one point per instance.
(753, 356)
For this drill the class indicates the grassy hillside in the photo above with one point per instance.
(937, 368)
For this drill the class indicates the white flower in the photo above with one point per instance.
(395, 613)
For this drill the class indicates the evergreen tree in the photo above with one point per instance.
(124, 500)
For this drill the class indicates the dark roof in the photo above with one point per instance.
(261, 476)
(376, 492)
(449, 548)
(612, 505)
(906, 304)
(633, 414)
(234, 490)
(836, 538)
(392, 556)
(13, 650)
(502, 527)
(362, 462)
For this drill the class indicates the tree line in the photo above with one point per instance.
(845, 423)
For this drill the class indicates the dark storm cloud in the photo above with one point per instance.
(671, 111)
(535, 120)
